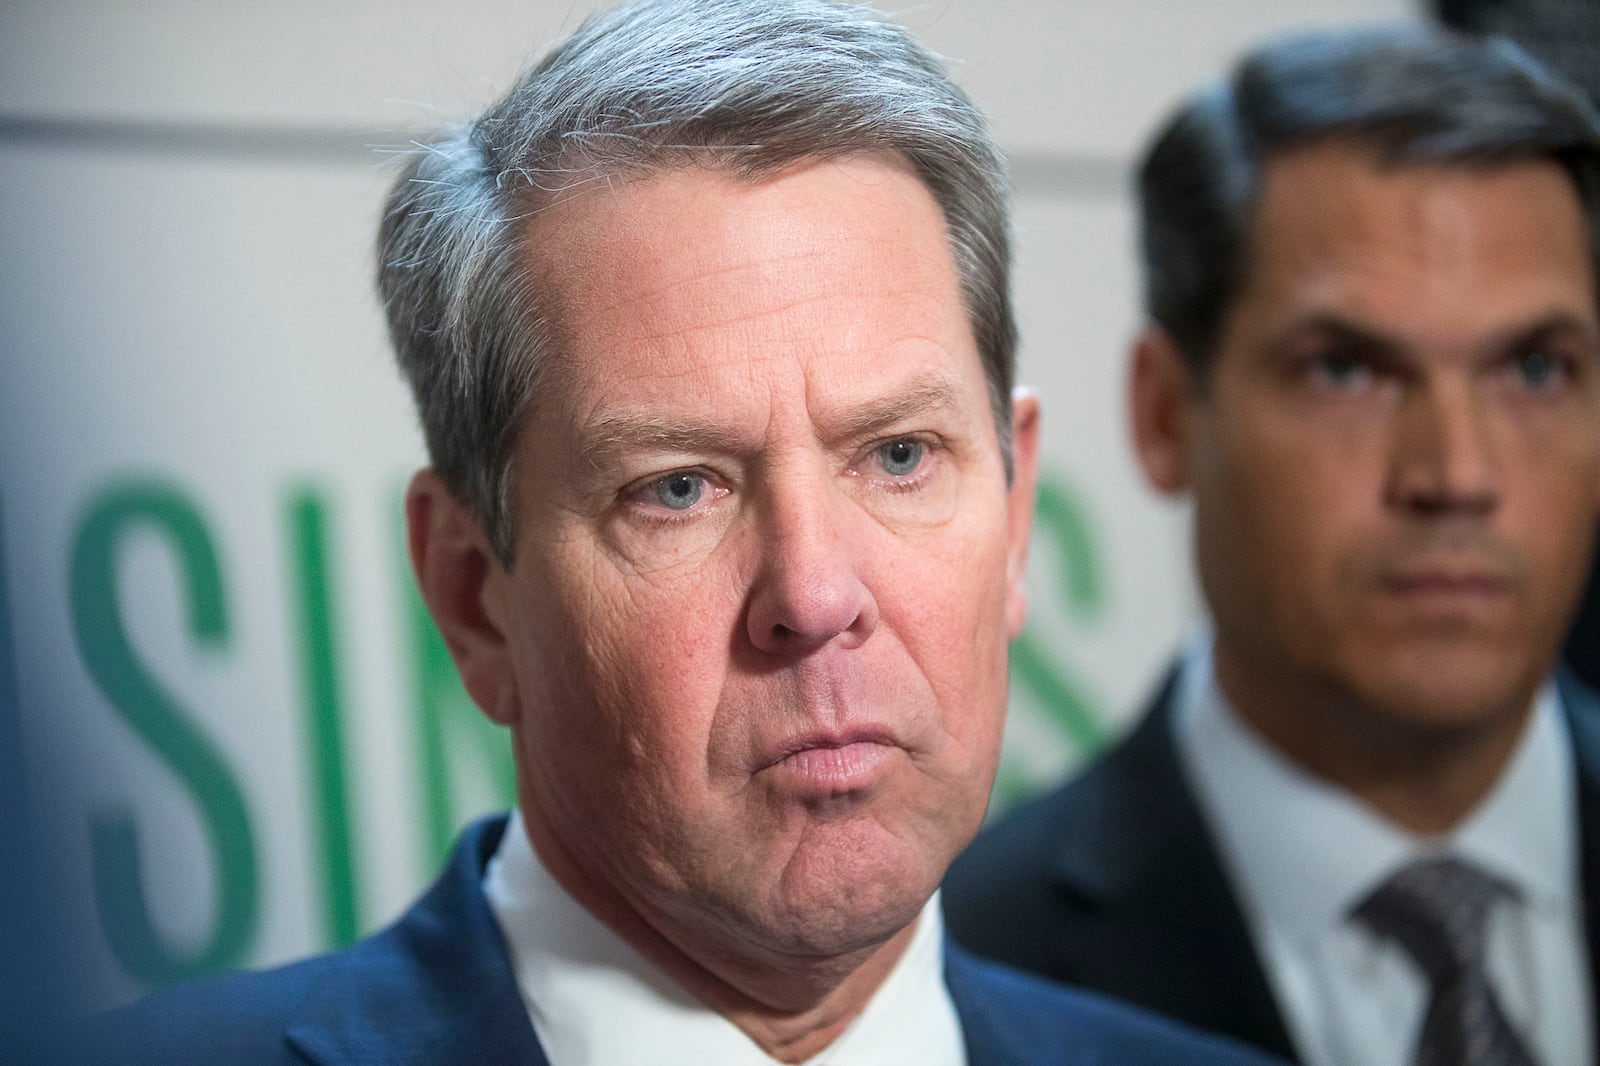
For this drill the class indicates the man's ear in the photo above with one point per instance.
(1161, 399)
(462, 583)
(1019, 504)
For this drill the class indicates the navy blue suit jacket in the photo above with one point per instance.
(1112, 882)
(437, 988)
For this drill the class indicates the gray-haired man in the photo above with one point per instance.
(708, 325)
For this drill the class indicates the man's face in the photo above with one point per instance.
(767, 562)
(1396, 464)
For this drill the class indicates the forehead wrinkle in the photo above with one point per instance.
(733, 317)
(713, 309)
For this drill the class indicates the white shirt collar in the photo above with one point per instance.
(593, 999)
(1306, 858)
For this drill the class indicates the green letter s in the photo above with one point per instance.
(160, 721)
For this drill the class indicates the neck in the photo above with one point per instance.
(1423, 776)
(792, 1007)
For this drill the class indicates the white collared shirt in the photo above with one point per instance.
(596, 1001)
(1302, 853)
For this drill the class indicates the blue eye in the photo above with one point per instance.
(1537, 368)
(680, 491)
(1342, 369)
(900, 457)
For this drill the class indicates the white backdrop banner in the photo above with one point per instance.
(242, 733)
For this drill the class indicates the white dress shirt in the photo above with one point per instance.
(595, 1001)
(1302, 853)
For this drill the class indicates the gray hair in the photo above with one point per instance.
(1413, 94)
(745, 86)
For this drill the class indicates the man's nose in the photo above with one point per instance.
(809, 587)
(1443, 459)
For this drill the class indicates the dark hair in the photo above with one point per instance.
(745, 86)
(1413, 94)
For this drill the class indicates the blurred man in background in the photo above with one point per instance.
(709, 327)
(1565, 36)
(1360, 824)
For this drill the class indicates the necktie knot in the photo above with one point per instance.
(1437, 910)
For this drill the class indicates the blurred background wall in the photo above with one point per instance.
(240, 734)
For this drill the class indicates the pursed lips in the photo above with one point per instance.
(830, 764)
(824, 740)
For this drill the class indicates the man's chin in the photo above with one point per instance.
(1458, 691)
(849, 904)
(826, 931)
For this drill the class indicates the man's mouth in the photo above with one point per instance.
(832, 763)
(1448, 590)
(1447, 582)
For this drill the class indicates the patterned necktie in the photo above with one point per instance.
(1436, 910)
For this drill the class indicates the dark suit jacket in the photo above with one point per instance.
(437, 988)
(1112, 882)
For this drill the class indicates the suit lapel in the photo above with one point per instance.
(992, 1029)
(1582, 708)
(436, 988)
(988, 1041)
(1167, 929)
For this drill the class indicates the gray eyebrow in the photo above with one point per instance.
(927, 395)
(664, 434)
